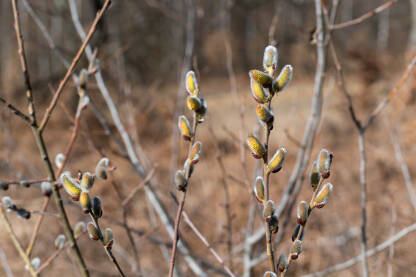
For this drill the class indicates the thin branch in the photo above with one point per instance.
(15, 110)
(24, 183)
(392, 93)
(106, 248)
(5, 264)
(363, 17)
(363, 181)
(148, 188)
(130, 196)
(37, 227)
(368, 253)
(16, 243)
(74, 62)
(42, 147)
(405, 170)
(205, 241)
(182, 201)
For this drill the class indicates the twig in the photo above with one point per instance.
(205, 241)
(37, 227)
(391, 247)
(15, 110)
(22, 182)
(5, 264)
(363, 17)
(148, 188)
(106, 248)
(404, 168)
(53, 47)
(368, 253)
(186, 63)
(16, 243)
(362, 127)
(130, 196)
(42, 147)
(73, 64)
(125, 224)
(302, 227)
(182, 201)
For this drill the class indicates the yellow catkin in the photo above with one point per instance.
(184, 127)
(258, 92)
(71, 186)
(193, 103)
(276, 162)
(84, 201)
(283, 79)
(261, 77)
(323, 195)
(191, 83)
(259, 189)
(256, 147)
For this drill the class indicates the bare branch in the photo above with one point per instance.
(363, 17)
(368, 253)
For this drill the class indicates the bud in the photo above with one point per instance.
(93, 231)
(274, 224)
(259, 93)
(83, 78)
(87, 181)
(264, 114)
(191, 83)
(324, 163)
(196, 151)
(60, 241)
(22, 213)
(108, 237)
(314, 175)
(71, 186)
(46, 188)
(270, 59)
(79, 229)
(188, 167)
(96, 209)
(268, 210)
(180, 180)
(259, 189)
(35, 262)
(193, 103)
(101, 168)
(283, 79)
(282, 263)
(269, 274)
(59, 160)
(260, 77)
(85, 202)
(295, 249)
(296, 233)
(302, 212)
(8, 203)
(200, 113)
(323, 196)
(256, 147)
(184, 127)
(276, 162)
(84, 101)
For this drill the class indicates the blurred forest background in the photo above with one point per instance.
(144, 49)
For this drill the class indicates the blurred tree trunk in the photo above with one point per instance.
(383, 30)
(412, 35)
(238, 35)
